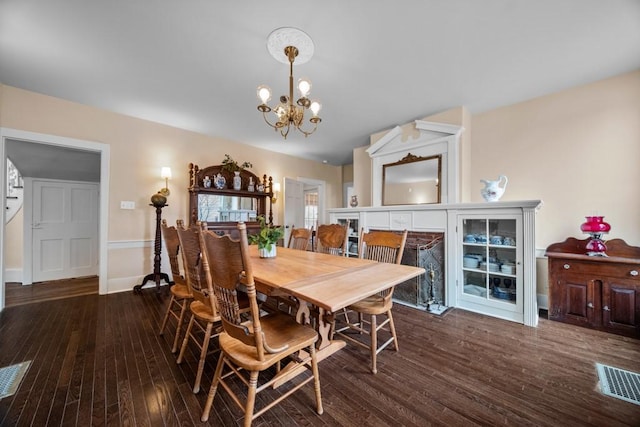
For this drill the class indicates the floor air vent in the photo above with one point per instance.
(10, 378)
(619, 383)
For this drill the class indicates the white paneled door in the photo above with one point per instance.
(293, 206)
(65, 230)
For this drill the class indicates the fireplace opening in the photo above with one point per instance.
(425, 292)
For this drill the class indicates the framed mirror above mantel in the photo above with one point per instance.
(221, 206)
(412, 180)
(428, 140)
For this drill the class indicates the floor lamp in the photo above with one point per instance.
(159, 201)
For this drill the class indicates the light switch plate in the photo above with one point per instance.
(126, 204)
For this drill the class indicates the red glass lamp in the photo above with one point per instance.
(595, 227)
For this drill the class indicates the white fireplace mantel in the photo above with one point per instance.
(446, 218)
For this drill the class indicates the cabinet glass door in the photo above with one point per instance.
(353, 235)
(489, 259)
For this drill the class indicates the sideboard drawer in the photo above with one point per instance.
(614, 270)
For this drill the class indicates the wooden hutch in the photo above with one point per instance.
(223, 207)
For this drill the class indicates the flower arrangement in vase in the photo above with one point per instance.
(266, 238)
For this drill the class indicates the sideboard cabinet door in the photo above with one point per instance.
(574, 300)
(621, 306)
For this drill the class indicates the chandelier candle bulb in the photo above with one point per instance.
(264, 93)
(304, 86)
(315, 108)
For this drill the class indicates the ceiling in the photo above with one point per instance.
(36, 160)
(196, 64)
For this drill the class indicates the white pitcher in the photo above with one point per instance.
(492, 190)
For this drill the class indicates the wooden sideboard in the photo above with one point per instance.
(599, 292)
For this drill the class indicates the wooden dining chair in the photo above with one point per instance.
(299, 238)
(204, 322)
(181, 295)
(382, 246)
(249, 347)
(332, 239)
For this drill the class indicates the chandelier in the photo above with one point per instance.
(285, 45)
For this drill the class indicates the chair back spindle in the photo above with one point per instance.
(172, 242)
(383, 246)
(192, 260)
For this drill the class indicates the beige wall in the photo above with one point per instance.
(139, 149)
(362, 176)
(14, 242)
(578, 150)
(461, 117)
(347, 173)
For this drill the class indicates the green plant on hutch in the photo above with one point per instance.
(231, 165)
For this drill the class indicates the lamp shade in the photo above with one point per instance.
(595, 224)
(165, 172)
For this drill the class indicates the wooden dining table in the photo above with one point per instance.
(324, 284)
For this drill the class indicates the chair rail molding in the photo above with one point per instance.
(432, 139)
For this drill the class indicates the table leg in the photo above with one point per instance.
(325, 322)
(325, 345)
(303, 314)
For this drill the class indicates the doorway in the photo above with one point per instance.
(53, 151)
(304, 201)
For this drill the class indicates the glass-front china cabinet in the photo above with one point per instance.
(490, 252)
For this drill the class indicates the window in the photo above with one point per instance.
(310, 208)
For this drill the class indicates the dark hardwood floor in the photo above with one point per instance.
(17, 294)
(98, 360)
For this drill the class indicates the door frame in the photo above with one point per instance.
(287, 221)
(321, 186)
(103, 212)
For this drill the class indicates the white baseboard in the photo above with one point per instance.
(13, 275)
(124, 284)
(543, 301)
